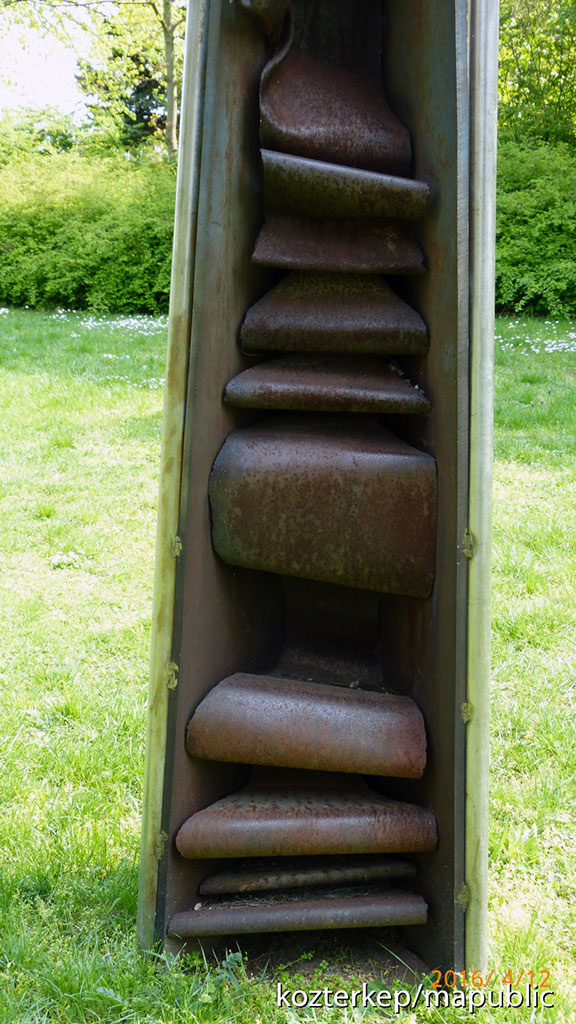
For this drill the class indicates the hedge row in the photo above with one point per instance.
(86, 234)
(536, 229)
(97, 234)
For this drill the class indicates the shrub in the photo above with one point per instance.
(86, 234)
(536, 229)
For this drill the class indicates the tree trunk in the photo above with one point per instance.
(171, 83)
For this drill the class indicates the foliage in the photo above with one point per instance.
(29, 130)
(88, 234)
(536, 229)
(538, 69)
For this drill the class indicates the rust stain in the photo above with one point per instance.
(435, 251)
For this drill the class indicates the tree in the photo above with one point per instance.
(145, 36)
(128, 80)
(538, 69)
(43, 132)
(126, 95)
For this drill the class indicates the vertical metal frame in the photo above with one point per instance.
(483, 61)
(430, 640)
(167, 541)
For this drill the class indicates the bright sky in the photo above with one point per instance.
(38, 71)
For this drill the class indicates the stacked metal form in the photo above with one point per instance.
(320, 492)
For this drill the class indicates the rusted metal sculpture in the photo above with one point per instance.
(334, 499)
(315, 725)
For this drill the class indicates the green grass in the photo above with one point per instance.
(79, 451)
(533, 835)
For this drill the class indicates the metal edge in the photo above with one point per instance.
(463, 478)
(483, 42)
(179, 331)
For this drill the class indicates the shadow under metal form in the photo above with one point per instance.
(311, 770)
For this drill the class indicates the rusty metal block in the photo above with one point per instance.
(322, 816)
(349, 313)
(281, 914)
(301, 872)
(313, 188)
(373, 247)
(326, 384)
(295, 724)
(312, 108)
(327, 499)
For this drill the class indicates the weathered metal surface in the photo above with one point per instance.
(334, 910)
(337, 500)
(267, 873)
(313, 188)
(349, 313)
(258, 719)
(312, 108)
(340, 816)
(326, 384)
(373, 247)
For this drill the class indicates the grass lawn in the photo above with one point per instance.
(80, 423)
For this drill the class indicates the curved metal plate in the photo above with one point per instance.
(373, 247)
(336, 910)
(344, 313)
(295, 724)
(313, 188)
(315, 109)
(268, 874)
(277, 823)
(326, 384)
